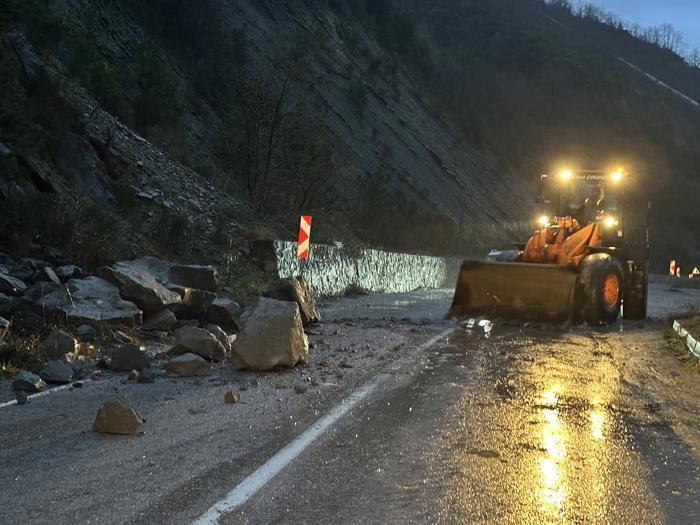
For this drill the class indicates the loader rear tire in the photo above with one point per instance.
(636, 296)
(601, 283)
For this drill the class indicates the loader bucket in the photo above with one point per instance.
(531, 292)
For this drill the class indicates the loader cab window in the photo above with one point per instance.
(582, 199)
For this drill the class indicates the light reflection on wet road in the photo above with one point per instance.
(519, 427)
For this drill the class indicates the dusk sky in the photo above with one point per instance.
(683, 14)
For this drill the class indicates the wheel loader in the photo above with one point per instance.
(586, 261)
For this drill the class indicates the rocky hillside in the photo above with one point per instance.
(177, 129)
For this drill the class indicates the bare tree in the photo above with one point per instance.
(270, 146)
(693, 58)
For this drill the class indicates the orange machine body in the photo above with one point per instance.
(563, 242)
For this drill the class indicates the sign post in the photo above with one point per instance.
(672, 268)
(304, 237)
(303, 245)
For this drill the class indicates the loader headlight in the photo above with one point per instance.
(543, 221)
(610, 221)
(617, 175)
(565, 175)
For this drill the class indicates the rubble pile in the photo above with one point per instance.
(149, 299)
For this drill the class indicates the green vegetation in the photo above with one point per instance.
(8, 369)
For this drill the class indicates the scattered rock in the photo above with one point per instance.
(121, 337)
(28, 382)
(45, 275)
(163, 321)
(131, 376)
(69, 271)
(144, 376)
(129, 357)
(193, 303)
(11, 285)
(77, 364)
(232, 396)
(345, 364)
(298, 291)
(57, 344)
(198, 341)
(187, 365)
(117, 416)
(57, 372)
(5, 304)
(92, 300)
(139, 286)
(300, 389)
(4, 327)
(86, 333)
(220, 335)
(195, 276)
(21, 397)
(225, 313)
(272, 335)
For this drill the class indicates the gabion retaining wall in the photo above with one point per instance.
(332, 270)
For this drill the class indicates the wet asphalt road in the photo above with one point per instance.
(517, 425)
(511, 426)
(511, 429)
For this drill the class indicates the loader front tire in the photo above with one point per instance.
(602, 288)
(636, 295)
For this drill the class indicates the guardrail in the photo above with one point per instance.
(692, 344)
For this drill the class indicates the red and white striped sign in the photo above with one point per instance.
(672, 268)
(304, 237)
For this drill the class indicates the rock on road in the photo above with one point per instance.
(513, 425)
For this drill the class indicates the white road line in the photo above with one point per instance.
(273, 466)
(44, 393)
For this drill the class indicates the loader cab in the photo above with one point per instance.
(587, 196)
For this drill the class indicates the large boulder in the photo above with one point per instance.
(27, 382)
(11, 285)
(45, 274)
(298, 291)
(225, 313)
(69, 271)
(162, 321)
(198, 341)
(139, 286)
(92, 300)
(187, 365)
(57, 344)
(195, 276)
(194, 303)
(272, 335)
(117, 416)
(129, 357)
(57, 372)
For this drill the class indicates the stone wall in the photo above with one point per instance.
(333, 271)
